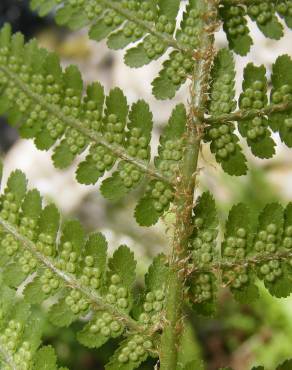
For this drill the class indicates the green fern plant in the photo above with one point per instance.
(57, 263)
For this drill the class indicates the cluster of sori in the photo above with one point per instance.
(161, 194)
(222, 94)
(117, 294)
(267, 242)
(253, 96)
(142, 9)
(135, 349)
(189, 35)
(113, 129)
(9, 341)
(75, 140)
(76, 302)
(102, 158)
(152, 307)
(236, 24)
(137, 144)
(68, 258)
(153, 46)
(27, 262)
(10, 208)
(36, 114)
(224, 142)
(9, 244)
(91, 8)
(49, 281)
(164, 25)
(287, 240)
(283, 95)
(203, 288)
(262, 12)
(170, 156)
(28, 227)
(179, 67)
(203, 244)
(235, 249)
(129, 174)
(112, 19)
(132, 30)
(90, 275)
(92, 117)
(284, 8)
(106, 325)
(45, 244)
(257, 128)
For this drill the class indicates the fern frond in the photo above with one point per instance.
(75, 271)
(257, 114)
(151, 24)
(247, 253)
(50, 108)
(20, 337)
(266, 14)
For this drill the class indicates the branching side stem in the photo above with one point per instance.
(97, 302)
(241, 114)
(185, 189)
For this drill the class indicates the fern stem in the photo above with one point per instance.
(241, 114)
(97, 302)
(185, 191)
(219, 266)
(93, 136)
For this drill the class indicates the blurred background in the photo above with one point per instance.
(238, 336)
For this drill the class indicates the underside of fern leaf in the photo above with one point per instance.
(20, 337)
(76, 272)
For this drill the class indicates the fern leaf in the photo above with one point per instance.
(158, 194)
(63, 119)
(21, 336)
(263, 13)
(202, 247)
(281, 92)
(254, 96)
(238, 243)
(74, 271)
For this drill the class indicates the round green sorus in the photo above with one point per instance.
(234, 250)
(107, 325)
(267, 242)
(153, 46)
(261, 13)
(135, 349)
(179, 67)
(203, 288)
(257, 128)
(224, 142)
(161, 194)
(253, 97)
(282, 94)
(76, 302)
(236, 25)
(222, 94)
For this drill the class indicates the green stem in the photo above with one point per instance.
(242, 114)
(185, 192)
